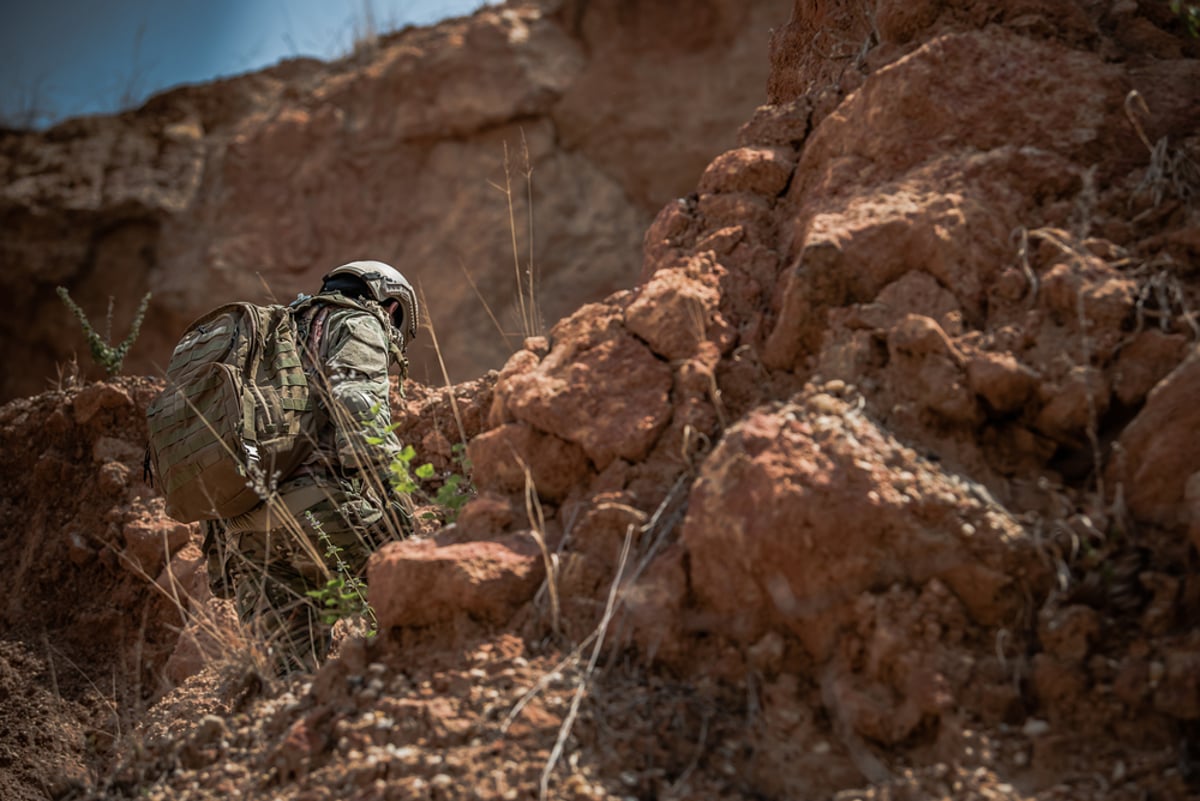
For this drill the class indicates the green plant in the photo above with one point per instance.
(1189, 13)
(344, 594)
(450, 495)
(103, 352)
(456, 487)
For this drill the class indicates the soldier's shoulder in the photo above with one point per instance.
(357, 323)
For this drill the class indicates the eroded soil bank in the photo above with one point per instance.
(880, 482)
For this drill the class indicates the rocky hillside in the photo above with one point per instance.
(590, 114)
(880, 481)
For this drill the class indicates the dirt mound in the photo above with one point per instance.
(42, 741)
(84, 554)
(879, 484)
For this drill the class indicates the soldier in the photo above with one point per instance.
(324, 519)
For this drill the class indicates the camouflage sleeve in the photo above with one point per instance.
(356, 364)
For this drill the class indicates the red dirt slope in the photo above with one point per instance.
(881, 483)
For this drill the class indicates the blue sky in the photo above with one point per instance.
(61, 58)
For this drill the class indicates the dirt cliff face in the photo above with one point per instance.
(591, 114)
(880, 482)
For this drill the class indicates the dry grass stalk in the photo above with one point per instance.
(1078, 256)
(526, 289)
(1169, 168)
(1021, 240)
(437, 349)
(487, 307)
(564, 730)
(548, 678)
(537, 528)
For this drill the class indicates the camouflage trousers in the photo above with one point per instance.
(319, 529)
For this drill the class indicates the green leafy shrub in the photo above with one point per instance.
(450, 495)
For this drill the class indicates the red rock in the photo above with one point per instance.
(97, 397)
(150, 542)
(1001, 380)
(418, 583)
(899, 21)
(501, 457)
(676, 310)
(486, 515)
(948, 92)
(1144, 362)
(1178, 694)
(760, 170)
(599, 387)
(1069, 633)
(1073, 405)
(800, 509)
(1157, 450)
(928, 369)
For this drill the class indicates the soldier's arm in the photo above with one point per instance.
(356, 366)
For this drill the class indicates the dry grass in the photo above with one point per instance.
(585, 677)
(537, 529)
(526, 282)
(1171, 171)
(437, 349)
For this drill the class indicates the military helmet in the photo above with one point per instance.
(385, 283)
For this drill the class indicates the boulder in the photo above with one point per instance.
(802, 507)
(419, 583)
(1157, 452)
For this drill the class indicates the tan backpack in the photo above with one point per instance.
(237, 413)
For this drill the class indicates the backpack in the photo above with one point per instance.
(237, 410)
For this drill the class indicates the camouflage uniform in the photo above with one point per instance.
(338, 506)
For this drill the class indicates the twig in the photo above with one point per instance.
(1022, 237)
(552, 675)
(535, 324)
(50, 664)
(1134, 98)
(1093, 425)
(486, 306)
(564, 731)
(512, 229)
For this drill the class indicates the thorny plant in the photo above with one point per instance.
(104, 353)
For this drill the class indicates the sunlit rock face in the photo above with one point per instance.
(508, 163)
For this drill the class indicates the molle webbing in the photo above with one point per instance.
(238, 409)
